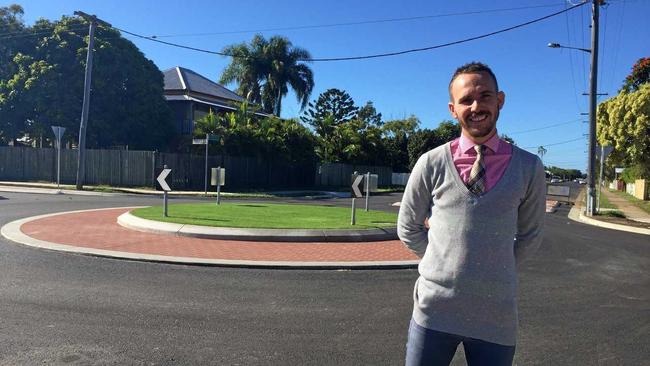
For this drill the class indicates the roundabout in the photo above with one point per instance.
(116, 233)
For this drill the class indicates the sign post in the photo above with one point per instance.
(164, 186)
(356, 181)
(205, 142)
(58, 133)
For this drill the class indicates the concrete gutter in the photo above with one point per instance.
(273, 235)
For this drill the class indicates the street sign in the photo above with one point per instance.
(605, 150)
(373, 183)
(355, 185)
(618, 170)
(199, 141)
(218, 174)
(58, 132)
(161, 180)
(213, 137)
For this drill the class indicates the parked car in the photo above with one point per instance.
(582, 181)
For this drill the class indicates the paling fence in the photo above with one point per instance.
(130, 168)
(338, 174)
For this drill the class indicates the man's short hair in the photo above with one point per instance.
(472, 68)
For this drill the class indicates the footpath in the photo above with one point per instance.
(636, 220)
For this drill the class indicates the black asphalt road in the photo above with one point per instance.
(584, 300)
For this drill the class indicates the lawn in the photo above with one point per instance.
(266, 215)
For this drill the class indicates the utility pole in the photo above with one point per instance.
(593, 82)
(93, 20)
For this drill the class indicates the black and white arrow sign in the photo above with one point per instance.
(355, 186)
(161, 180)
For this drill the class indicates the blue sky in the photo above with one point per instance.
(543, 86)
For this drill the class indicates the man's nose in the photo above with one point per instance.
(474, 106)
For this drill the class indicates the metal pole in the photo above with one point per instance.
(218, 185)
(367, 189)
(353, 213)
(592, 109)
(58, 164)
(206, 163)
(600, 176)
(84, 110)
(165, 203)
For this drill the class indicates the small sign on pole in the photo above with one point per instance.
(164, 186)
(218, 178)
(58, 133)
(356, 192)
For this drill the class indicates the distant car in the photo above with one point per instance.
(582, 181)
(556, 180)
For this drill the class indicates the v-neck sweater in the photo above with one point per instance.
(468, 280)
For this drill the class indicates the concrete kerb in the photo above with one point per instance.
(12, 232)
(280, 235)
(577, 214)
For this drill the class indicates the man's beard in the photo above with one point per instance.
(482, 128)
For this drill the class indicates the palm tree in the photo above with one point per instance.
(264, 71)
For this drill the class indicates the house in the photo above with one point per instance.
(191, 96)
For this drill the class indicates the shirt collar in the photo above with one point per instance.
(466, 144)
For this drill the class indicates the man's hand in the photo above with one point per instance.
(426, 223)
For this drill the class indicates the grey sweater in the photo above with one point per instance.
(468, 279)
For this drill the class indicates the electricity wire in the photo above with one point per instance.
(387, 54)
(545, 127)
(333, 25)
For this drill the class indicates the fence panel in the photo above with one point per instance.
(128, 168)
(339, 174)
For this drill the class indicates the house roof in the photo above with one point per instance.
(188, 81)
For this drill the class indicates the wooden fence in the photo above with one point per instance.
(128, 168)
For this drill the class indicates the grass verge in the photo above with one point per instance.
(268, 216)
(644, 205)
(604, 202)
(614, 213)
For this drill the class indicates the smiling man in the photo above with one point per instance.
(484, 200)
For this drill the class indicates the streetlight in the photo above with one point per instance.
(557, 45)
(591, 192)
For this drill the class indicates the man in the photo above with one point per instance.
(485, 201)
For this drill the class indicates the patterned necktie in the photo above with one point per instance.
(476, 183)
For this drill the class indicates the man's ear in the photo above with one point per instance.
(452, 110)
(501, 98)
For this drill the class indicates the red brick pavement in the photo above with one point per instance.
(99, 230)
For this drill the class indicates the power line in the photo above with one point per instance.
(377, 21)
(366, 56)
(4, 36)
(545, 127)
(553, 144)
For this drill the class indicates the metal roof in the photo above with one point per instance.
(182, 79)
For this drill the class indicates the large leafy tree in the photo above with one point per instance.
(44, 87)
(624, 123)
(424, 140)
(265, 70)
(396, 138)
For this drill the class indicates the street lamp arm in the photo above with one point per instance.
(557, 45)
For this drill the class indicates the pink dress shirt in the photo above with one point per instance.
(496, 158)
